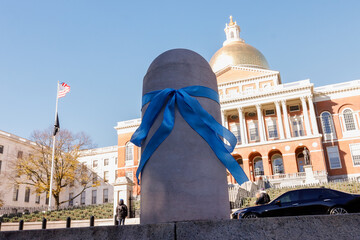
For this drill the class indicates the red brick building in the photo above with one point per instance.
(274, 122)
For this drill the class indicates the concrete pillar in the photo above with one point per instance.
(313, 116)
(260, 123)
(122, 190)
(171, 189)
(279, 118)
(306, 116)
(242, 126)
(286, 119)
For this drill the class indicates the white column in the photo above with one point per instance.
(222, 117)
(286, 119)
(242, 127)
(306, 116)
(279, 118)
(225, 124)
(260, 123)
(313, 116)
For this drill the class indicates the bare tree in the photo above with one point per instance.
(35, 169)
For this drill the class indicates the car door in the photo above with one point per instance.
(310, 202)
(285, 205)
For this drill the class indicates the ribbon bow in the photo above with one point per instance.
(195, 115)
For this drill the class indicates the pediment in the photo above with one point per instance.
(234, 73)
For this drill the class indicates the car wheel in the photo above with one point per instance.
(338, 210)
(251, 215)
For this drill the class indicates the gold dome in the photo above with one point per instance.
(240, 54)
(236, 52)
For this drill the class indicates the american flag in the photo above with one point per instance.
(63, 90)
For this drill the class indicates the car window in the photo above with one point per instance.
(327, 193)
(288, 197)
(310, 194)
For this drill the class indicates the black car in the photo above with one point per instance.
(311, 201)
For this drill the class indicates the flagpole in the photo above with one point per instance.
(53, 150)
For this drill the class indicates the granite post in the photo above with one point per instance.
(183, 179)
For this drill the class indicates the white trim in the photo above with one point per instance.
(319, 150)
(342, 140)
(288, 154)
(278, 141)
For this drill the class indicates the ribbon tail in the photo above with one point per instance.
(219, 130)
(207, 133)
(159, 136)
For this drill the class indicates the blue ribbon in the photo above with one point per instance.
(195, 115)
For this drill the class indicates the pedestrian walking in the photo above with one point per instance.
(121, 212)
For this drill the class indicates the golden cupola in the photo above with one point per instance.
(235, 52)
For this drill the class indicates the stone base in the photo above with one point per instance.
(310, 179)
(303, 227)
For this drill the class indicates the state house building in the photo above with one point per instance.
(274, 122)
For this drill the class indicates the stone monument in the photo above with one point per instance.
(183, 179)
(309, 174)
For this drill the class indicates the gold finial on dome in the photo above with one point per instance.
(231, 21)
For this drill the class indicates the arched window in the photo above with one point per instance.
(327, 125)
(258, 166)
(349, 120)
(231, 35)
(129, 154)
(277, 164)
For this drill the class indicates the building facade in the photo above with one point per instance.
(15, 198)
(275, 123)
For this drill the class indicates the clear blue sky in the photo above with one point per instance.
(102, 49)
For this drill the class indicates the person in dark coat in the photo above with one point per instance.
(121, 212)
(262, 197)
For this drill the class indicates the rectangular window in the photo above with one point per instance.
(16, 193)
(294, 108)
(106, 161)
(116, 161)
(105, 195)
(334, 157)
(272, 128)
(37, 199)
(71, 201)
(95, 163)
(93, 197)
(235, 129)
(129, 154)
(269, 112)
(0, 166)
(47, 200)
(253, 131)
(1, 149)
(130, 175)
(297, 127)
(27, 194)
(355, 153)
(106, 176)
(20, 154)
(83, 198)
